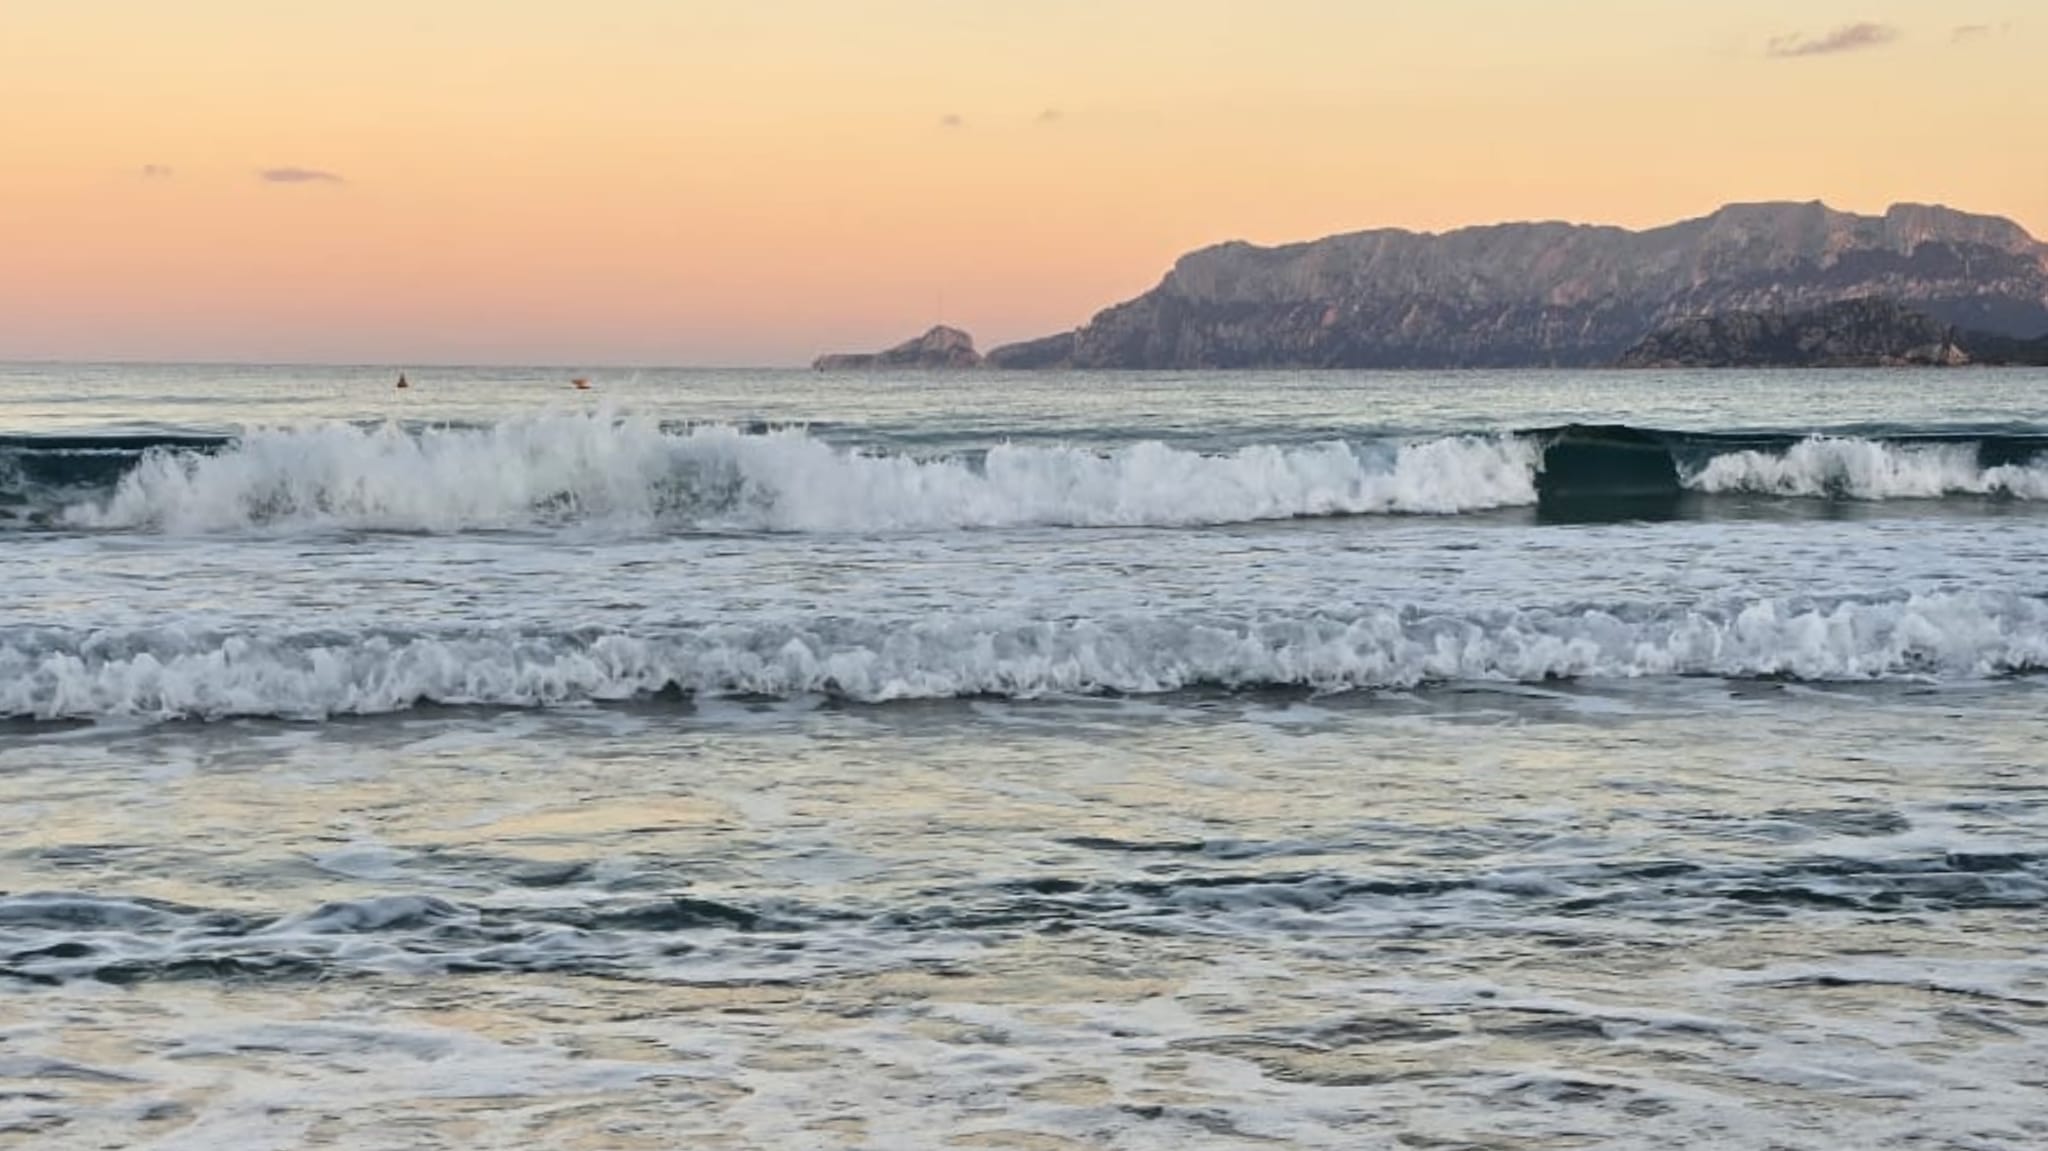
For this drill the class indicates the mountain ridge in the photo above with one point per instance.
(1549, 293)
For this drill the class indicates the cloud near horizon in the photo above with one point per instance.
(156, 171)
(1847, 38)
(952, 120)
(1964, 32)
(299, 176)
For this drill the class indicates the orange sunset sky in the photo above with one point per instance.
(702, 182)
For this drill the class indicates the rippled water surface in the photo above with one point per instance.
(761, 761)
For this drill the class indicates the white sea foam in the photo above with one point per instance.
(52, 673)
(633, 473)
(1868, 470)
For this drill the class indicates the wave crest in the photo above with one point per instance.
(1843, 467)
(165, 674)
(634, 474)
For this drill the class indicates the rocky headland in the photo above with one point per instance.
(940, 348)
(1519, 295)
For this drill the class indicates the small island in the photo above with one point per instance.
(940, 349)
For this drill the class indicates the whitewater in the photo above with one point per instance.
(779, 759)
(631, 473)
(634, 474)
(176, 673)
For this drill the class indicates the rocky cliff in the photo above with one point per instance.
(1551, 293)
(942, 347)
(1853, 333)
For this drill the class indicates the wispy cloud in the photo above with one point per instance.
(952, 120)
(1964, 32)
(1050, 116)
(1847, 38)
(298, 176)
(156, 171)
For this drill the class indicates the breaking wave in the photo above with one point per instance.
(634, 473)
(50, 674)
(1826, 466)
(630, 475)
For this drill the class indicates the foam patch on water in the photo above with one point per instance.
(165, 673)
(1298, 1028)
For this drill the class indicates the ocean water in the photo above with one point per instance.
(772, 760)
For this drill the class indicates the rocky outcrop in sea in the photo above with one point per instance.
(940, 348)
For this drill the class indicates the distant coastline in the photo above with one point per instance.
(1562, 295)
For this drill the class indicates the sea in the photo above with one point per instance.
(749, 759)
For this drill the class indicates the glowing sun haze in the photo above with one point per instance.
(662, 181)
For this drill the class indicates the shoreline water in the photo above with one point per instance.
(856, 791)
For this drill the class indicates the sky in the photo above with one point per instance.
(751, 183)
